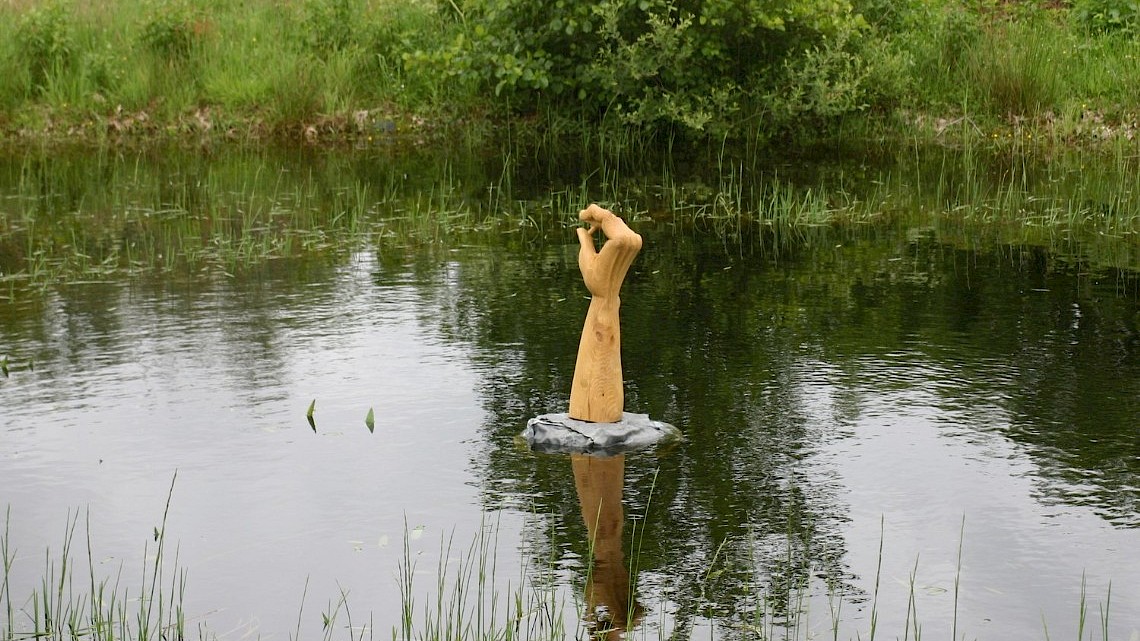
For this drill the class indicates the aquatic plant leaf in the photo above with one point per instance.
(312, 406)
(370, 420)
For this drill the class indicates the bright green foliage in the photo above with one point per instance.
(330, 25)
(1108, 15)
(172, 32)
(703, 65)
(45, 44)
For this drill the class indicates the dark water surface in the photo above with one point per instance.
(971, 409)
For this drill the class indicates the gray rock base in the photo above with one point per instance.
(560, 434)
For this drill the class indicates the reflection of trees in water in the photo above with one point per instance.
(1070, 381)
(143, 333)
(735, 347)
(1017, 342)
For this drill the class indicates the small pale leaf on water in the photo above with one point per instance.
(370, 420)
(417, 532)
(383, 542)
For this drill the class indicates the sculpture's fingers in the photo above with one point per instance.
(615, 228)
(594, 215)
(586, 239)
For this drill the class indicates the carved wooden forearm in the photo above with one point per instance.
(596, 393)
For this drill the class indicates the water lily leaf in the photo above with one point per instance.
(370, 420)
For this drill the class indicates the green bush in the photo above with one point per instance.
(171, 32)
(45, 43)
(826, 82)
(100, 69)
(387, 34)
(699, 65)
(1105, 16)
(330, 25)
(936, 42)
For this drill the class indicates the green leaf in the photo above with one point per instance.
(312, 406)
(370, 420)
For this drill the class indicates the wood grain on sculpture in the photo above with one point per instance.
(610, 607)
(596, 394)
(596, 420)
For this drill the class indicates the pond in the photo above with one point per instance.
(915, 419)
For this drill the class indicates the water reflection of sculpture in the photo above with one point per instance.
(609, 605)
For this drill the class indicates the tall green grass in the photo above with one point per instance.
(176, 67)
(467, 599)
(1019, 65)
(75, 603)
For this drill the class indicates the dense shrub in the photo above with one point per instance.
(45, 44)
(389, 31)
(700, 65)
(171, 32)
(1108, 15)
(330, 25)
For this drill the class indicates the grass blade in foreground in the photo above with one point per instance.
(59, 611)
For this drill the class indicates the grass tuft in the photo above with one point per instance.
(60, 610)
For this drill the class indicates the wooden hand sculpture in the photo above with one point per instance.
(596, 393)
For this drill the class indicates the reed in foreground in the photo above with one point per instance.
(468, 599)
(60, 610)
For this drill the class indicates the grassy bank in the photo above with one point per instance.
(78, 70)
(330, 70)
